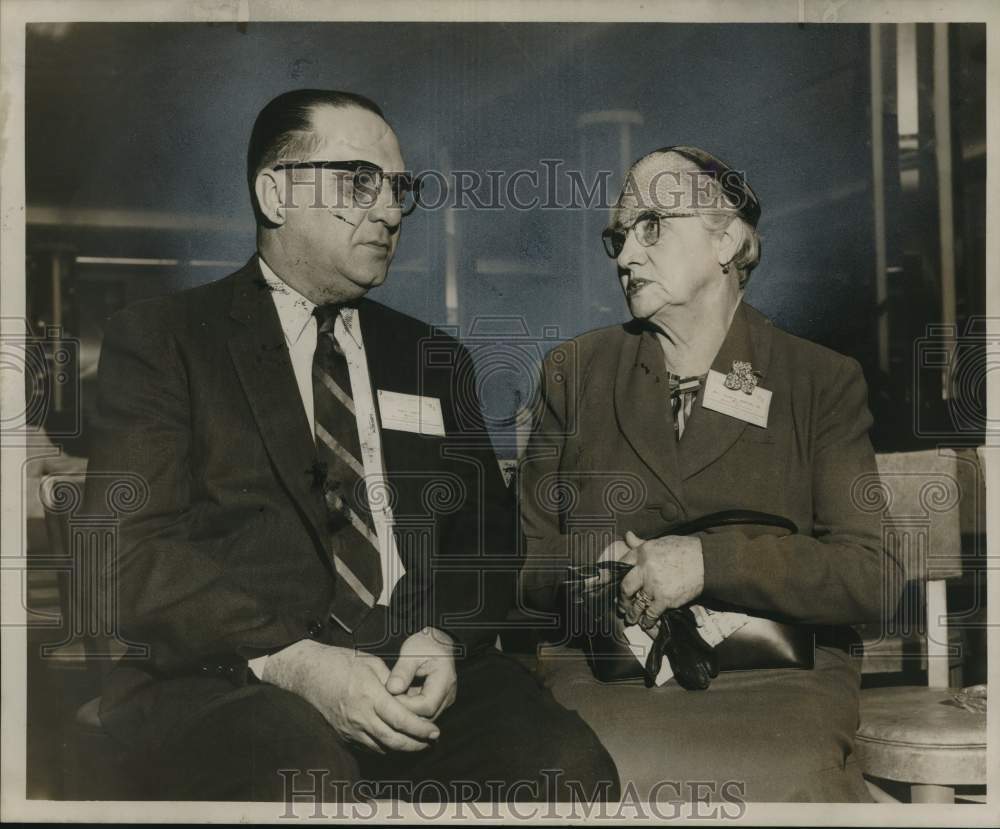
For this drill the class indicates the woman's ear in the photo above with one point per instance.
(730, 241)
(270, 198)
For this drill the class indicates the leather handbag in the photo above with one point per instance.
(591, 600)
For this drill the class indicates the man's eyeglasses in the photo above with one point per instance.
(647, 228)
(365, 182)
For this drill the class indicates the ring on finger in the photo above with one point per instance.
(642, 600)
(648, 620)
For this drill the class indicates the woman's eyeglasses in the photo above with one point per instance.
(365, 182)
(647, 228)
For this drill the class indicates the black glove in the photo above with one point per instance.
(693, 660)
(593, 611)
(592, 593)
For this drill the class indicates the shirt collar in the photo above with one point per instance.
(295, 311)
(351, 323)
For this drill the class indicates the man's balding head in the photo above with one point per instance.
(285, 128)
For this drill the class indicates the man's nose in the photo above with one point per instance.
(384, 209)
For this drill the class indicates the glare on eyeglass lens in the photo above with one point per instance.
(647, 228)
(647, 232)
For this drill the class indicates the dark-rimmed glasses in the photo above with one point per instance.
(365, 182)
(647, 228)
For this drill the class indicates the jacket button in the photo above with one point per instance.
(314, 628)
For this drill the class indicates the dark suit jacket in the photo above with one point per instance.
(225, 559)
(602, 460)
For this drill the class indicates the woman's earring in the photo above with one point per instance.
(725, 268)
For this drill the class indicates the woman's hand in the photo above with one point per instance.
(617, 550)
(669, 572)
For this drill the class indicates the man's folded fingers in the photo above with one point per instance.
(437, 688)
(394, 740)
(402, 674)
(419, 704)
(400, 718)
(448, 700)
(378, 667)
(366, 741)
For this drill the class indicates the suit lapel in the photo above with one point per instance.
(709, 434)
(260, 355)
(643, 410)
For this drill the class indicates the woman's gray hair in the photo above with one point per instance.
(727, 189)
(747, 255)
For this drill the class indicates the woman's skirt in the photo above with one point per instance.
(753, 736)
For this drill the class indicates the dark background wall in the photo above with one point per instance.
(136, 136)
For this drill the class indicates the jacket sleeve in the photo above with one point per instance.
(840, 574)
(172, 594)
(546, 493)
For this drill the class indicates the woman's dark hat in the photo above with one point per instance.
(733, 183)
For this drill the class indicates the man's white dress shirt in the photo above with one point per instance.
(299, 325)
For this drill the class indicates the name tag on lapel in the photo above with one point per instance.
(411, 413)
(752, 408)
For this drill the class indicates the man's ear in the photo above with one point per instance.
(730, 241)
(269, 188)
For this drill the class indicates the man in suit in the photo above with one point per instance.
(325, 545)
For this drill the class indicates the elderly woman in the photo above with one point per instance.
(697, 405)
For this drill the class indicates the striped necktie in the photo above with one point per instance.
(683, 391)
(354, 546)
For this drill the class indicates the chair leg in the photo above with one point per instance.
(932, 794)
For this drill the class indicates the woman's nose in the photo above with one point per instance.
(632, 253)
